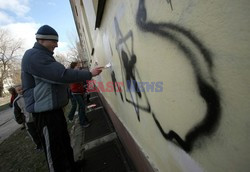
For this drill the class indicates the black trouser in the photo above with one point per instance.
(31, 128)
(55, 138)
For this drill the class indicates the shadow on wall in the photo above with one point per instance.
(171, 32)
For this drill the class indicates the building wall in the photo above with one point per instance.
(83, 28)
(193, 58)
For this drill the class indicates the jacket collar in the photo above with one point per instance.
(40, 47)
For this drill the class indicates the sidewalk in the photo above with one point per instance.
(8, 125)
(98, 144)
(4, 103)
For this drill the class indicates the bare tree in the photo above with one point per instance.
(10, 49)
(15, 73)
(76, 50)
(62, 58)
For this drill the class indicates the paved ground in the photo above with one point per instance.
(98, 144)
(7, 124)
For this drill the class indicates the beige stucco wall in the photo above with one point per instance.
(168, 48)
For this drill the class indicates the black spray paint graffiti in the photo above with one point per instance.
(170, 3)
(207, 91)
(166, 30)
(129, 72)
(114, 81)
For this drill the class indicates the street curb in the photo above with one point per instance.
(4, 107)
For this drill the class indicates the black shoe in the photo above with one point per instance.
(79, 165)
(86, 125)
(39, 148)
(89, 120)
(89, 102)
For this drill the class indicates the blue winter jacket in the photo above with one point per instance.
(45, 81)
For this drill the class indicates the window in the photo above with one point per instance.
(100, 10)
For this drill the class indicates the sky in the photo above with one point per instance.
(23, 18)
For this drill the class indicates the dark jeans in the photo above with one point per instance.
(52, 128)
(73, 108)
(81, 109)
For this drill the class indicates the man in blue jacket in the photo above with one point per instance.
(45, 82)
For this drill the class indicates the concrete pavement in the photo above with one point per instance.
(7, 124)
(98, 145)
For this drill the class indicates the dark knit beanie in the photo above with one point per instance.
(47, 32)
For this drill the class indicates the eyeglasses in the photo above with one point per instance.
(54, 41)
